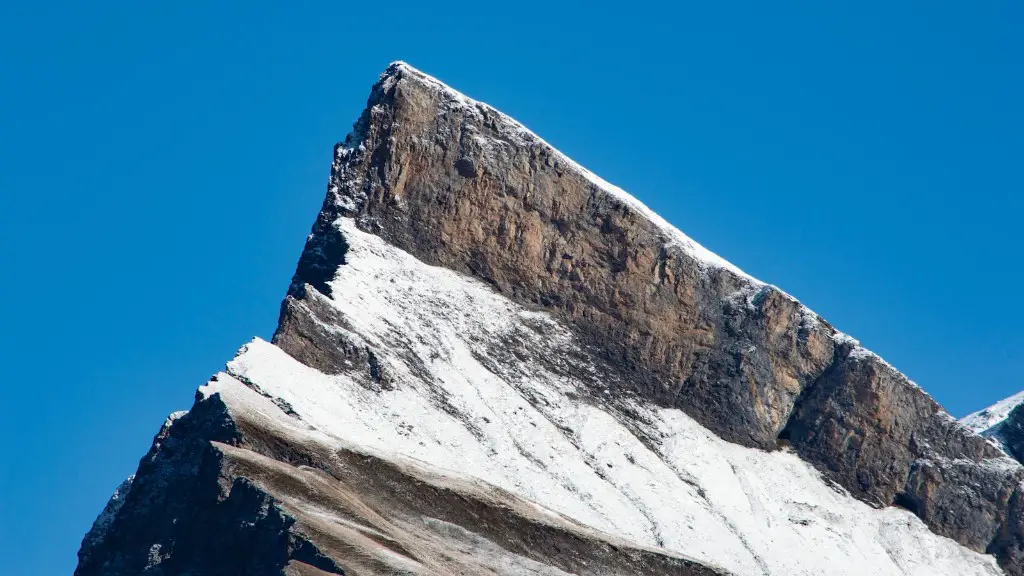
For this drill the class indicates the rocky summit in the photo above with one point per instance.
(491, 361)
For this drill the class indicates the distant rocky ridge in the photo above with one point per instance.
(659, 324)
(1002, 423)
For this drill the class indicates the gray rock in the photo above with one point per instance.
(1009, 543)
(962, 500)
(865, 424)
(1012, 433)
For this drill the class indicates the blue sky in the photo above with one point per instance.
(161, 164)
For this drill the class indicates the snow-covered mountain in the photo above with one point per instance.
(1002, 423)
(984, 420)
(491, 361)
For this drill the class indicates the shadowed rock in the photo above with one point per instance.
(223, 493)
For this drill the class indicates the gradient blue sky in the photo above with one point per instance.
(161, 164)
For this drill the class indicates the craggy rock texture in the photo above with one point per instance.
(460, 185)
(866, 424)
(1009, 544)
(1012, 433)
(1009, 433)
(961, 499)
(184, 514)
(317, 336)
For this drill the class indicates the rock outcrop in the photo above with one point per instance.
(560, 301)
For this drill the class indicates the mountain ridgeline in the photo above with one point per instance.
(491, 361)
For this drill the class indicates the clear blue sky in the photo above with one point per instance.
(162, 162)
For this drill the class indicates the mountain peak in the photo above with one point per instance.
(490, 360)
(492, 129)
(986, 418)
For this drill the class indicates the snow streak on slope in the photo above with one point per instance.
(476, 384)
(992, 422)
(983, 420)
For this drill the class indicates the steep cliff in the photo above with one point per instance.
(492, 361)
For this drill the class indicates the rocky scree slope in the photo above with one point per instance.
(491, 361)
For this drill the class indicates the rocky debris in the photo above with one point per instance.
(460, 185)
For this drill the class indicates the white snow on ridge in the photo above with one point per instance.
(983, 420)
(456, 404)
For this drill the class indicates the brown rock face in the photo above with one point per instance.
(866, 424)
(459, 185)
(1009, 543)
(962, 500)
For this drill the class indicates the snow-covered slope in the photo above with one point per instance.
(988, 418)
(1002, 424)
(454, 400)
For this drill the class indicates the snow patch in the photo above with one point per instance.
(483, 388)
(984, 420)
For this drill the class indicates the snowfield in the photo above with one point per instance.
(481, 387)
